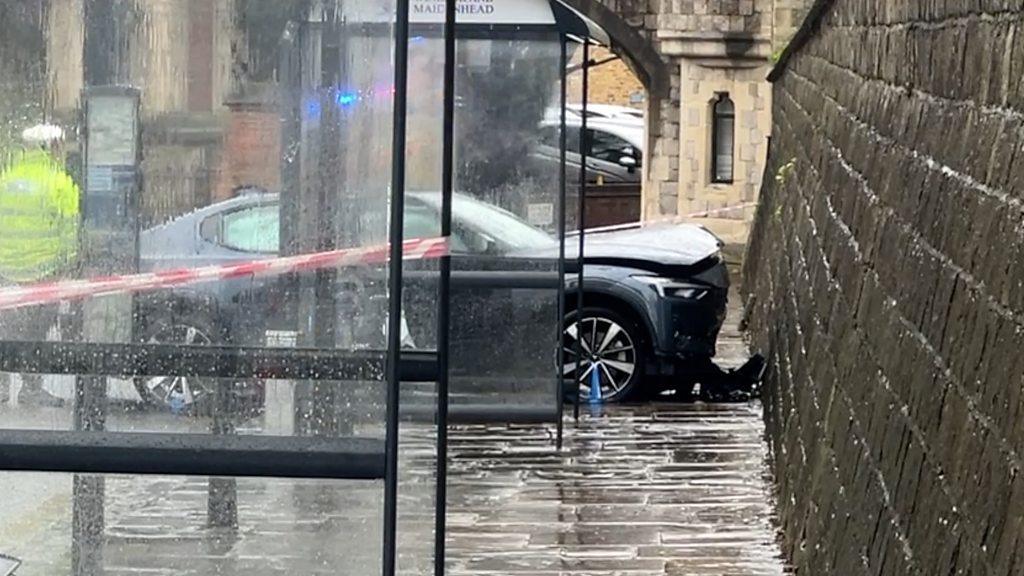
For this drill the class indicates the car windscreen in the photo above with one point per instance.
(508, 231)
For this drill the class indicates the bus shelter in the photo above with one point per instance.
(511, 186)
(408, 270)
(508, 173)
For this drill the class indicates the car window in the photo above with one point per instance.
(257, 229)
(549, 136)
(609, 147)
(479, 223)
(209, 230)
(421, 222)
(253, 229)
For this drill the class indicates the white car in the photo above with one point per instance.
(599, 111)
(616, 147)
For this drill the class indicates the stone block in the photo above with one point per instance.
(668, 203)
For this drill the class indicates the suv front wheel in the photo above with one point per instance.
(187, 394)
(611, 353)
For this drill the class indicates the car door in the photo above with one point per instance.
(242, 234)
(608, 156)
(599, 171)
(483, 306)
(421, 277)
(475, 307)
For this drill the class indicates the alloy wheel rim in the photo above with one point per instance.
(605, 346)
(168, 389)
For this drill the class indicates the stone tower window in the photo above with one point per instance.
(723, 132)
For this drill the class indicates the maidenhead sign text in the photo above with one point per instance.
(464, 7)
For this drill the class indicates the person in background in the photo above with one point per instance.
(39, 219)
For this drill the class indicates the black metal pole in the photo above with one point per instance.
(222, 493)
(100, 46)
(444, 288)
(396, 236)
(581, 226)
(560, 327)
(326, 396)
(89, 492)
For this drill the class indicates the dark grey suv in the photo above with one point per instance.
(654, 301)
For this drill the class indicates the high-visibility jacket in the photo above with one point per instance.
(39, 218)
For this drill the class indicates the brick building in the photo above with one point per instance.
(612, 82)
(203, 134)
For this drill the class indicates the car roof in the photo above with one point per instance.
(634, 134)
(629, 130)
(609, 110)
(240, 201)
(258, 198)
(596, 112)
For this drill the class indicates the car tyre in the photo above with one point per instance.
(618, 356)
(191, 395)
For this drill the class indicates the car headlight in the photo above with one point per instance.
(669, 288)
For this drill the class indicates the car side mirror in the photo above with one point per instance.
(628, 162)
(480, 244)
(490, 247)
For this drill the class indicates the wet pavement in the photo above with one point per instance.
(661, 489)
(658, 489)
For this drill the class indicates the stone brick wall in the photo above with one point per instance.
(787, 16)
(885, 280)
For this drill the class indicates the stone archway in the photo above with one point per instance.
(686, 54)
(635, 43)
(629, 42)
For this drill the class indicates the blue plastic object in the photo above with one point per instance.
(178, 405)
(595, 385)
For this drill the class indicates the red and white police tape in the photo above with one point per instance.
(671, 219)
(715, 211)
(419, 249)
(48, 293)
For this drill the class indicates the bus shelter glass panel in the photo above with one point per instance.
(156, 524)
(358, 90)
(504, 240)
(504, 313)
(194, 219)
